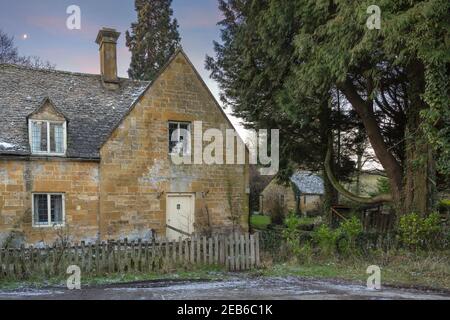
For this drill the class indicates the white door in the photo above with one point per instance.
(180, 215)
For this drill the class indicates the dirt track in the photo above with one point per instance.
(289, 288)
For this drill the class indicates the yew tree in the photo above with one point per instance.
(284, 59)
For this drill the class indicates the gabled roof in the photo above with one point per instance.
(45, 102)
(90, 109)
(308, 183)
(92, 112)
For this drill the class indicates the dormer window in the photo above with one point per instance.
(47, 130)
(48, 137)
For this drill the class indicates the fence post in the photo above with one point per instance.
(252, 251)
(257, 258)
(210, 251)
(243, 258)
(236, 247)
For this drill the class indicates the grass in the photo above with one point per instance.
(206, 273)
(402, 269)
(260, 222)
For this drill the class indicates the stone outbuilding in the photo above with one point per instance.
(303, 195)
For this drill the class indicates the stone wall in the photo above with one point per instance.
(124, 195)
(137, 172)
(308, 203)
(77, 180)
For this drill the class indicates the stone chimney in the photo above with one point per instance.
(107, 40)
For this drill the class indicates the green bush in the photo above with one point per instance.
(352, 228)
(291, 233)
(342, 240)
(325, 238)
(417, 232)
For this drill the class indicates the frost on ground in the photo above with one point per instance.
(280, 288)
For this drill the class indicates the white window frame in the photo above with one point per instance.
(49, 210)
(49, 122)
(186, 153)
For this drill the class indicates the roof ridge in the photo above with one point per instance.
(54, 71)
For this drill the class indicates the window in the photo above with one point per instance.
(47, 137)
(179, 138)
(282, 199)
(48, 210)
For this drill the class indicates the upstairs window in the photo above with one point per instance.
(48, 137)
(48, 210)
(179, 138)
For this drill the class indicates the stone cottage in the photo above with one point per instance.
(89, 156)
(303, 195)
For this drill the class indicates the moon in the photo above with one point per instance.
(25, 37)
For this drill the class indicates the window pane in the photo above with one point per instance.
(44, 142)
(39, 136)
(40, 209)
(173, 138)
(56, 210)
(56, 138)
(179, 142)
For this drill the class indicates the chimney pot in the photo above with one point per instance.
(107, 40)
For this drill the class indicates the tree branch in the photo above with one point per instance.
(349, 195)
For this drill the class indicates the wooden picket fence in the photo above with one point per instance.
(236, 252)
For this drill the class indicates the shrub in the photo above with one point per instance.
(325, 238)
(342, 240)
(276, 206)
(348, 232)
(351, 228)
(291, 233)
(417, 232)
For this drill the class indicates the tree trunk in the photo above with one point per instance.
(358, 174)
(390, 164)
(331, 195)
(419, 188)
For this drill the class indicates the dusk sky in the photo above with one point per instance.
(44, 24)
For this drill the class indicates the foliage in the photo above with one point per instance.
(281, 64)
(275, 206)
(291, 233)
(153, 38)
(383, 186)
(341, 240)
(419, 232)
(325, 238)
(298, 247)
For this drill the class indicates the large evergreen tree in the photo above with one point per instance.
(283, 59)
(153, 38)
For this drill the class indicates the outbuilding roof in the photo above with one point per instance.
(308, 182)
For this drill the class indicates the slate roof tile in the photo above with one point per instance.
(91, 110)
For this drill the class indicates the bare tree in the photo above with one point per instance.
(10, 55)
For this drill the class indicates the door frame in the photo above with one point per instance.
(181, 194)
